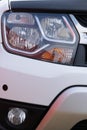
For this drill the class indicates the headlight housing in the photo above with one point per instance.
(43, 36)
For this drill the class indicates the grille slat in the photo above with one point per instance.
(82, 19)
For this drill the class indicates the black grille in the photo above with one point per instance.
(82, 19)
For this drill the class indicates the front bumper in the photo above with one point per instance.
(57, 87)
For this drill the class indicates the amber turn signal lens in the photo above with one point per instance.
(61, 55)
(48, 56)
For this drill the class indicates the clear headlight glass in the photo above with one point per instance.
(47, 37)
(56, 29)
(24, 38)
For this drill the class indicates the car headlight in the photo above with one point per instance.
(43, 36)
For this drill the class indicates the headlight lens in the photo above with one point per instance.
(48, 37)
(24, 38)
(56, 29)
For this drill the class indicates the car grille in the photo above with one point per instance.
(82, 19)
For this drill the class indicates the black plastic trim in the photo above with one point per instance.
(82, 18)
(81, 56)
(34, 115)
(54, 5)
(82, 125)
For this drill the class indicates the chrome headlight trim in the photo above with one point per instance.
(81, 30)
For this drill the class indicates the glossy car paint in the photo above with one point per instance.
(66, 111)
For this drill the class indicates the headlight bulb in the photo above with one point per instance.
(16, 116)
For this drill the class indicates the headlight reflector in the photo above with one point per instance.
(24, 38)
(56, 29)
(48, 37)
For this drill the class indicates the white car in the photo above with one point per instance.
(43, 65)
